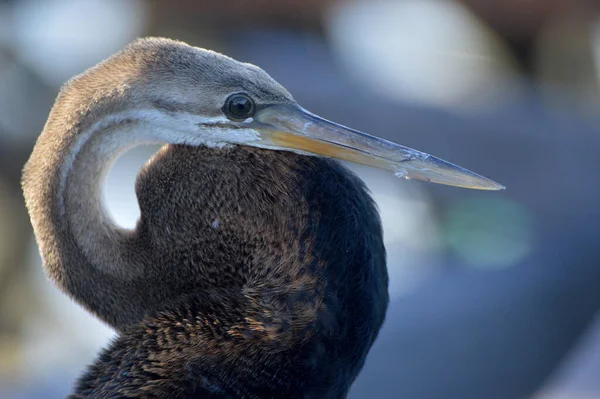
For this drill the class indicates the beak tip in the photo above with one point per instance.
(493, 186)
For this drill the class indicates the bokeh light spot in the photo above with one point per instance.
(489, 232)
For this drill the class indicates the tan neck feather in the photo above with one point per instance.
(83, 250)
(80, 195)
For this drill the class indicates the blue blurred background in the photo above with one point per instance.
(494, 295)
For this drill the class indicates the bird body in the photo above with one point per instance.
(255, 308)
(255, 270)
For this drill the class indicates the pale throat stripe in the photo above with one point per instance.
(123, 131)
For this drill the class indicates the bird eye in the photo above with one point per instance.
(238, 106)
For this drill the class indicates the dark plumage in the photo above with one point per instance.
(282, 299)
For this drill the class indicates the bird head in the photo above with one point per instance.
(204, 97)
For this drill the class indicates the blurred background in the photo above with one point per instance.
(494, 294)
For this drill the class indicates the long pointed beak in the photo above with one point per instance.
(290, 127)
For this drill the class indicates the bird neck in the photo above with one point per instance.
(80, 196)
(83, 249)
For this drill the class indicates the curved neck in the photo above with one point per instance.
(80, 198)
(89, 257)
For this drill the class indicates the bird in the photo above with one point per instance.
(257, 267)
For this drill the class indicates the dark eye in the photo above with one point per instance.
(238, 106)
